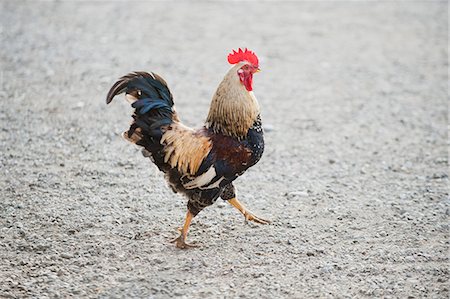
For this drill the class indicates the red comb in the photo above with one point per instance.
(245, 55)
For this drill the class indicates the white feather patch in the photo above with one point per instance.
(202, 180)
(215, 185)
(130, 99)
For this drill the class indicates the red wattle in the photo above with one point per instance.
(248, 82)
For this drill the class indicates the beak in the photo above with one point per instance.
(257, 70)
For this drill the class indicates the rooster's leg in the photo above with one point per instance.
(180, 242)
(249, 216)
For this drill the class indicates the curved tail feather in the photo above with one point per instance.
(151, 99)
(131, 83)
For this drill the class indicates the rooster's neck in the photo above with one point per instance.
(233, 109)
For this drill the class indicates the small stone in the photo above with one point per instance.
(327, 269)
(79, 105)
(383, 234)
(23, 263)
(66, 255)
(439, 176)
(268, 127)
(410, 259)
(21, 233)
(294, 194)
(310, 253)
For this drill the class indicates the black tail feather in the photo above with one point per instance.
(153, 105)
(138, 80)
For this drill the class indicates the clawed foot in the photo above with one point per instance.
(251, 217)
(180, 243)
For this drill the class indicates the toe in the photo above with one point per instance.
(262, 221)
(180, 243)
(184, 245)
(251, 217)
(189, 245)
(174, 240)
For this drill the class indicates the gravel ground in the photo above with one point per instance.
(354, 177)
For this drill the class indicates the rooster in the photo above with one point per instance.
(201, 164)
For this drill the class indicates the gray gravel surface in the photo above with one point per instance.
(354, 177)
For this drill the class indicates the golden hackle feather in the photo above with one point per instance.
(185, 149)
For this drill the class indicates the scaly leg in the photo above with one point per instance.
(247, 214)
(180, 242)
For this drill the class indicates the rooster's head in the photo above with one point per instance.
(248, 62)
(234, 108)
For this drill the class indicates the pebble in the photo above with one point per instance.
(310, 253)
(383, 234)
(79, 105)
(410, 259)
(66, 255)
(268, 127)
(295, 194)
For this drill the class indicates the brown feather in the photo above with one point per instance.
(231, 150)
(135, 137)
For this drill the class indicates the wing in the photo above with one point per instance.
(203, 159)
(227, 159)
(185, 148)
